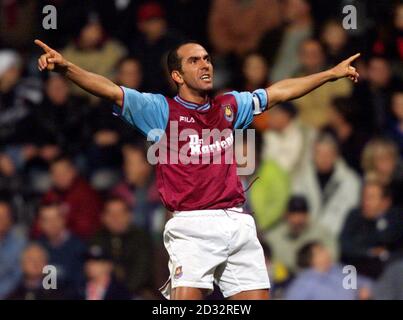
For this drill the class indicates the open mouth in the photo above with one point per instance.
(205, 77)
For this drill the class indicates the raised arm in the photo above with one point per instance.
(97, 85)
(290, 89)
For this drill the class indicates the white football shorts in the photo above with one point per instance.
(214, 246)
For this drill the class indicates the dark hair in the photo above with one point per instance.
(345, 107)
(114, 198)
(305, 254)
(174, 62)
(62, 158)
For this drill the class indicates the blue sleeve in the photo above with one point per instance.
(146, 111)
(249, 105)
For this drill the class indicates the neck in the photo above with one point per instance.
(199, 97)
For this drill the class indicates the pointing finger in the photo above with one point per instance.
(44, 46)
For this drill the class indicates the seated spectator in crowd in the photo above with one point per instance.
(81, 202)
(139, 190)
(373, 95)
(65, 250)
(18, 96)
(128, 246)
(351, 139)
(322, 279)
(93, 51)
(103, 156)
(389, 286)
(12, 243)
(372, 233)
(395, 130)
(228, 36)
(153, 43)
(330, 186)
(287, 141)
(380, 158)
(31, 287)
(297, 230)
(336, 42)
(101, 283)
(61, 116)
(314, 107)
(280, 46)
(254, 76)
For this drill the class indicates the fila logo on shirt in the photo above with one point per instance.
(186, 119)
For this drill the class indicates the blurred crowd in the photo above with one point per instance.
(77, 192)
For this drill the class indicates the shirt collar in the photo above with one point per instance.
(192, 105)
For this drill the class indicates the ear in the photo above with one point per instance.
(177, 77)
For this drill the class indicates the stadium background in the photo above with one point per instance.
(77, 192)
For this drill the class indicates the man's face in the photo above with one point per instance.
(311, 56)
(51, 221)
(321, 258)
(373, 202)
(57, 90)
(63, 175)
(33, 261)
(5, 218)
(279, 119)
(297, 221)
(325, 157)
(379, 72)
(116, 217)
(129, 74)
(197, 70)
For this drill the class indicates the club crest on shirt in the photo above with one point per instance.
(228, 113)
(178, 272)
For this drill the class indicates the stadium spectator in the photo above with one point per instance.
(228, 36)
(287, 141)
(94, 51)
(351, 139)
(323, 279)
(128, 246)
(101, 283)
(314, 107)
(281, 45)
(380, 158)
(152, 44)
(330, 186)
(12, 243)
(81, 202)
(65, 250)
(61, 116)
(139, 190)
(297, 230)
(374, 95)
(254, 76)
(18, 95)
(335, 41)
(31, 287)
(372, 233)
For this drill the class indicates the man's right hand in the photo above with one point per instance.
(51, 60)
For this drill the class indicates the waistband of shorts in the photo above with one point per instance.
(209, 212)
